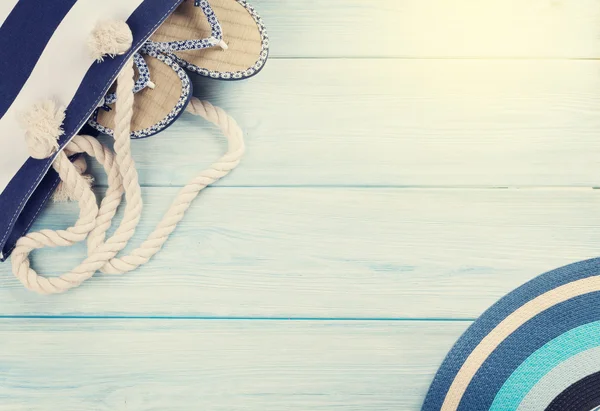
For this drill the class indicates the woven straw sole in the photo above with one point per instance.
(150, 105)
(240, 32)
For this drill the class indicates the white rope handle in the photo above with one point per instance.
(94, 221)
(182, 202)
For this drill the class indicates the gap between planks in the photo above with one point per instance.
(249, 366)
(417, 123)
(317, 253)
(198, 318)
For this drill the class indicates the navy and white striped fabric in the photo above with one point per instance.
(44, 55)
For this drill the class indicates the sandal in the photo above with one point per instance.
(222, 39)
(157, 104)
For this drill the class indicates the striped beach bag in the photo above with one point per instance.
(70, 69)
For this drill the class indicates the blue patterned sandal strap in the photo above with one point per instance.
(141, 83)
(216, 38)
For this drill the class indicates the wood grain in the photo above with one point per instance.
(433, 28)
(329, 253)
(408, 123)
(361, 100)
(230, 365)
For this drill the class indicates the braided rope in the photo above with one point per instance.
(94, 221)
(187, 194)
(63, 238)
(72, 179)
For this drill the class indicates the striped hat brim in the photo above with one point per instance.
(527, 349)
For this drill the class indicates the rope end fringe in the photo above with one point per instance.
(43, 127)
(110, 38)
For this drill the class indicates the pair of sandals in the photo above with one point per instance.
(220, 39)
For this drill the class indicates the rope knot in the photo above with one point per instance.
(43, 128)
(65, 191)
(110, 38)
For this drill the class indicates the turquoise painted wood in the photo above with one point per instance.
(330, 253)
(434, 123)
(433, 28)
(115, 365)
(409, 162)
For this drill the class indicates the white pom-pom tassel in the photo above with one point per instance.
(110, 38)
(43, 128)
(63, 194)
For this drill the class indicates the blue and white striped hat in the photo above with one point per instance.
(538, 348)
(45, 56)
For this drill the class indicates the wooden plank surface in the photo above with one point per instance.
(232, 365)
(329, 253)
(433, 28)
(361, 100)
(408, 123)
